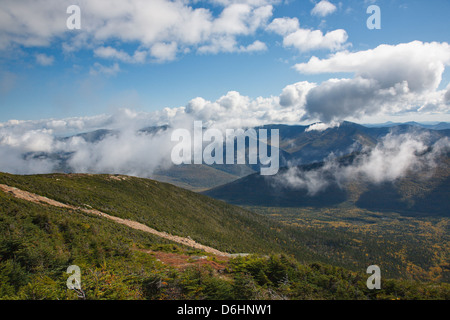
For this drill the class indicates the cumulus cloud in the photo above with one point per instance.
(341, 98)
(31, 23)
(235, 110)
(420, 64)
(323, 8)
(295, 94)
(388, 79)
(284, 26)
(164, 51)
(305, 39)
(392, 158)
(160, 28)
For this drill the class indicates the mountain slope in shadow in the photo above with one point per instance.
(418, 193)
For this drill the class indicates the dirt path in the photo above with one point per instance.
(32, 197)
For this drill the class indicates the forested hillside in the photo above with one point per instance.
(39, 241)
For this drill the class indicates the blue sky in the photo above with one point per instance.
(47, 71)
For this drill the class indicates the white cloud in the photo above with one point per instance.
(284, 26)
(234, 110)
(323, 8)
(112, 53)
(24, 145)
(388, 79)
(419, 63)
(161, 28)
(164, 51)
(127, 152)
(44, 60)
(320, 126)
(12, 160)
(241, 19)
(219, 44)
(295, 94)
(39, 140)
(305, 39)
(31, 23)
(229, 44)
(254, 47)
(98, 69)
(391, 159)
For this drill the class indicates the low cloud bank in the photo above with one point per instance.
(393, 158)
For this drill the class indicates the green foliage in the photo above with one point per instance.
(38, 243)
(163, 207)
(291, 280)
(405, 247)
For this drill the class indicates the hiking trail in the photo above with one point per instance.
(35, 198)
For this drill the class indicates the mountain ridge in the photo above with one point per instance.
(297, 146)
(415, 193)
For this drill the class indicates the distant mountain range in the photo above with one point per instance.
(311, 146)
(430, 125)
(298, 146)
